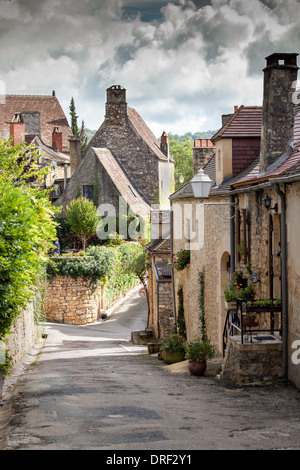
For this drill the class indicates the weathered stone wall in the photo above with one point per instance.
(216, 228)
(24, 334)
(73, 301)
(161, 317)
(246, 363)
(293, 229)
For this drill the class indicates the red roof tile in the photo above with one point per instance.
(245, 122)
(51, 115)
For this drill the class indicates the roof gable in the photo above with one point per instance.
(121, 181)
(245, 122)
(51, 112)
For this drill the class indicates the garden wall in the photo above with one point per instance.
(73, 301)
(24, 334)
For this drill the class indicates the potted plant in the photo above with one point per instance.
(173, 349)
(198, 352)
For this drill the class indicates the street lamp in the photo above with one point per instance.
(201, 184)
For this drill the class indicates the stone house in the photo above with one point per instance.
(203, 225)
(39, 120)
(160, 287)
(123, 158)
(267, 202)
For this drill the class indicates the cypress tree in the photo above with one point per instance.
(74, 117)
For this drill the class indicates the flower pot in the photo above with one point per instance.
(197, 368)
(171, 357)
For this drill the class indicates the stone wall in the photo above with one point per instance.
(24, 335)
(246, 363)
(73, 301)
(213, 256)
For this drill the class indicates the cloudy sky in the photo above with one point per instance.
(183, 63)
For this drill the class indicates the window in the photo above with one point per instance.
(88, 192)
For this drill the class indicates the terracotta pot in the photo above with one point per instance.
(171, 357)
(197, 368)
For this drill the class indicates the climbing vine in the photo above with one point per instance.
(201, 287)
(180, 319)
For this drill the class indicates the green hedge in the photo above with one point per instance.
(109, 266)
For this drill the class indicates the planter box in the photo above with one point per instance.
(271, 309)
(171, 357)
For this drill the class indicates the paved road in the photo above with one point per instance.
(91, 389)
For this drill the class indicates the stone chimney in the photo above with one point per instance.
(164, 144)
(75, 153)
(17, 129)
(32, 120)
(116, 105)
(202, 152)
(57, 140)
(280, 76)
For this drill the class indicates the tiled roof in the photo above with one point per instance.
(49, 153)
(122, 182)
(51, 115)
(245, 122)
(161, 245)
(143, 130)
(288, 166)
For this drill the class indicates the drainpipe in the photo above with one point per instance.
(172, 252)
(157, 296)
(232, 235)
(284, 283)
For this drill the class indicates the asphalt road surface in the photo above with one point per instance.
(91, 389)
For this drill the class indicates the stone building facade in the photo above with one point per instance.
(144, 161)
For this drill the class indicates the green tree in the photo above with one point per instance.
(83, 136)
(74, 117)
(182, 152)
(83, 219)
(27, 231)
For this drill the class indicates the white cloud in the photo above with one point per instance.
(181, 73)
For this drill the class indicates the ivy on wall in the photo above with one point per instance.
(201, 289)
(180, 318)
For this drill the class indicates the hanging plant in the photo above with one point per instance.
(180, 260)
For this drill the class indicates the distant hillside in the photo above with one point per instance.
(196, 135)
(188, 135)
(89, 133)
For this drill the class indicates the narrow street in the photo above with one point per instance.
(91, 389)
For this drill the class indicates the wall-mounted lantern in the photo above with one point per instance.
(268, 202)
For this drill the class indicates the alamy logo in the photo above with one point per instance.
(296, 354)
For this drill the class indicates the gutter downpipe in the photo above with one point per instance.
(232, 235)
(172, 252)
(284, 373)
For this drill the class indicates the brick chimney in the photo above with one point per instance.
(57, 140)
(280, 76)
(116, 105)
(17, 129)
(75, 153)
(202, 152)
(164, 144)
